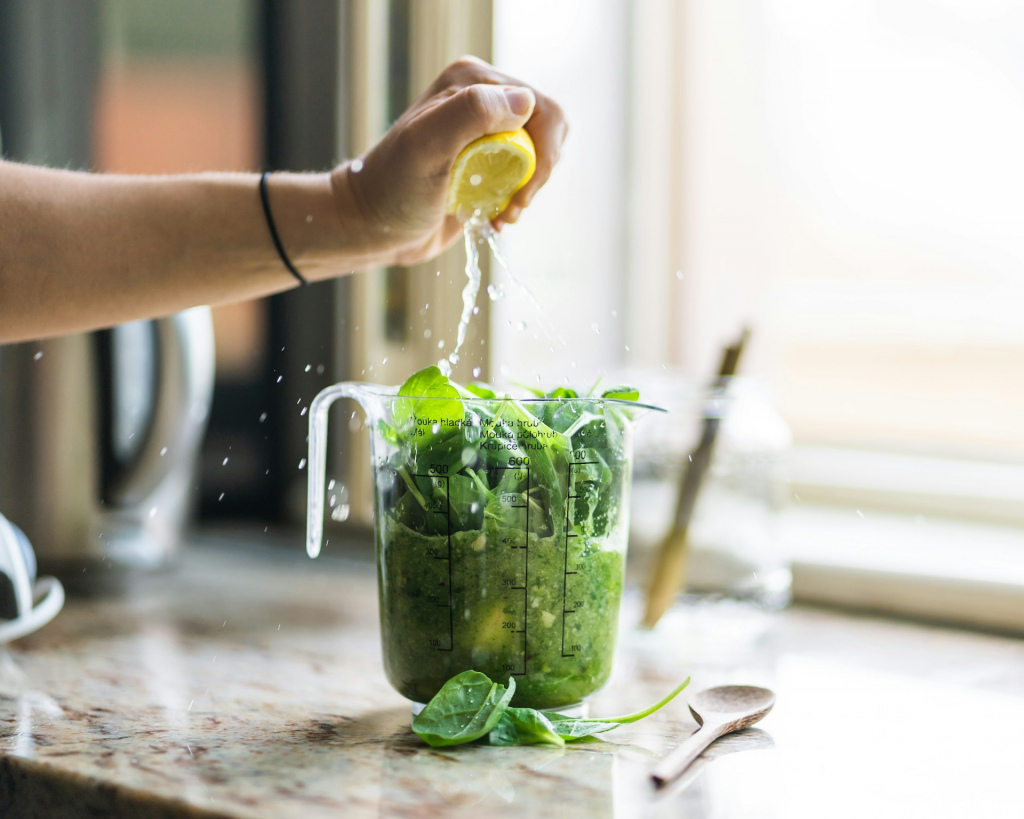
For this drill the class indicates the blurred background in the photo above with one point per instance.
(845, 178)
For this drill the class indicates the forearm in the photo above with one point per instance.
(81, 251)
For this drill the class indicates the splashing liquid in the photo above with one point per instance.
(545, 322)
(477, 231)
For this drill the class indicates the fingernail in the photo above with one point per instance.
(520, 100)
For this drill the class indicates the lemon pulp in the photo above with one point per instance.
(488, 172)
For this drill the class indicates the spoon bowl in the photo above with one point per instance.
(719, 711)
(746, 704)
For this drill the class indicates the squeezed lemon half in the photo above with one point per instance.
(488, 172)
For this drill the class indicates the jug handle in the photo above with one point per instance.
(317, 465)
(183, 395)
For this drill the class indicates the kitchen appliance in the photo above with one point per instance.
(99, 435)
(501, 530)
(26, 604)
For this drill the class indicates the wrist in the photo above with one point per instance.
(322, 229)
(370, 237)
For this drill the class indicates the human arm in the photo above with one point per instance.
(80, 251)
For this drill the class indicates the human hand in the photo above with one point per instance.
(398, 189)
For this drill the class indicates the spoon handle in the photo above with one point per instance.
(672, 765)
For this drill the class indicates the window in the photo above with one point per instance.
(179, 92)
(844, 176)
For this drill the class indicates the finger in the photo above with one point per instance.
(548, 130)
(547, 125)
(469, 70)
(456, 119)
(511, 214)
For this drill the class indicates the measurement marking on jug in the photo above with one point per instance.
(578, 456)
(435, 478)
(522, 467)
(526, 573)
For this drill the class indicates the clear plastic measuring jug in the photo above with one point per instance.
(501, 529)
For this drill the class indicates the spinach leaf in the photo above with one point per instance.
(465, 501)
(439, 428)
(470, 706)
(431, 396)
(481, 390)
(532, 390)
(571, 730)
(626, 718)
(524, 726)
(622, 393)
(466, 708)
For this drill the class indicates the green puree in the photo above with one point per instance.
(487, 616)
(501, 537)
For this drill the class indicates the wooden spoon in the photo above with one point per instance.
(720, 710)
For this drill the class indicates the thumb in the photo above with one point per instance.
(473, 112)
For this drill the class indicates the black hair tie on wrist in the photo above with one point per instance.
(273, 230)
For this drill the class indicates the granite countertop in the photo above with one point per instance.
(249, 684)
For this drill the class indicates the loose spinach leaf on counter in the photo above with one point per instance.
(571, 729)
(524, 726)
(470, 706)
(465, 709)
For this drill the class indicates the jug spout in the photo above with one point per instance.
(317, 465)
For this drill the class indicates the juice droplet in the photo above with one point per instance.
(340, 512)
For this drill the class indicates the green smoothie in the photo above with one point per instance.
(559, 656)
(501, 540)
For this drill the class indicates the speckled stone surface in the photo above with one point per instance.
(249, 684)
